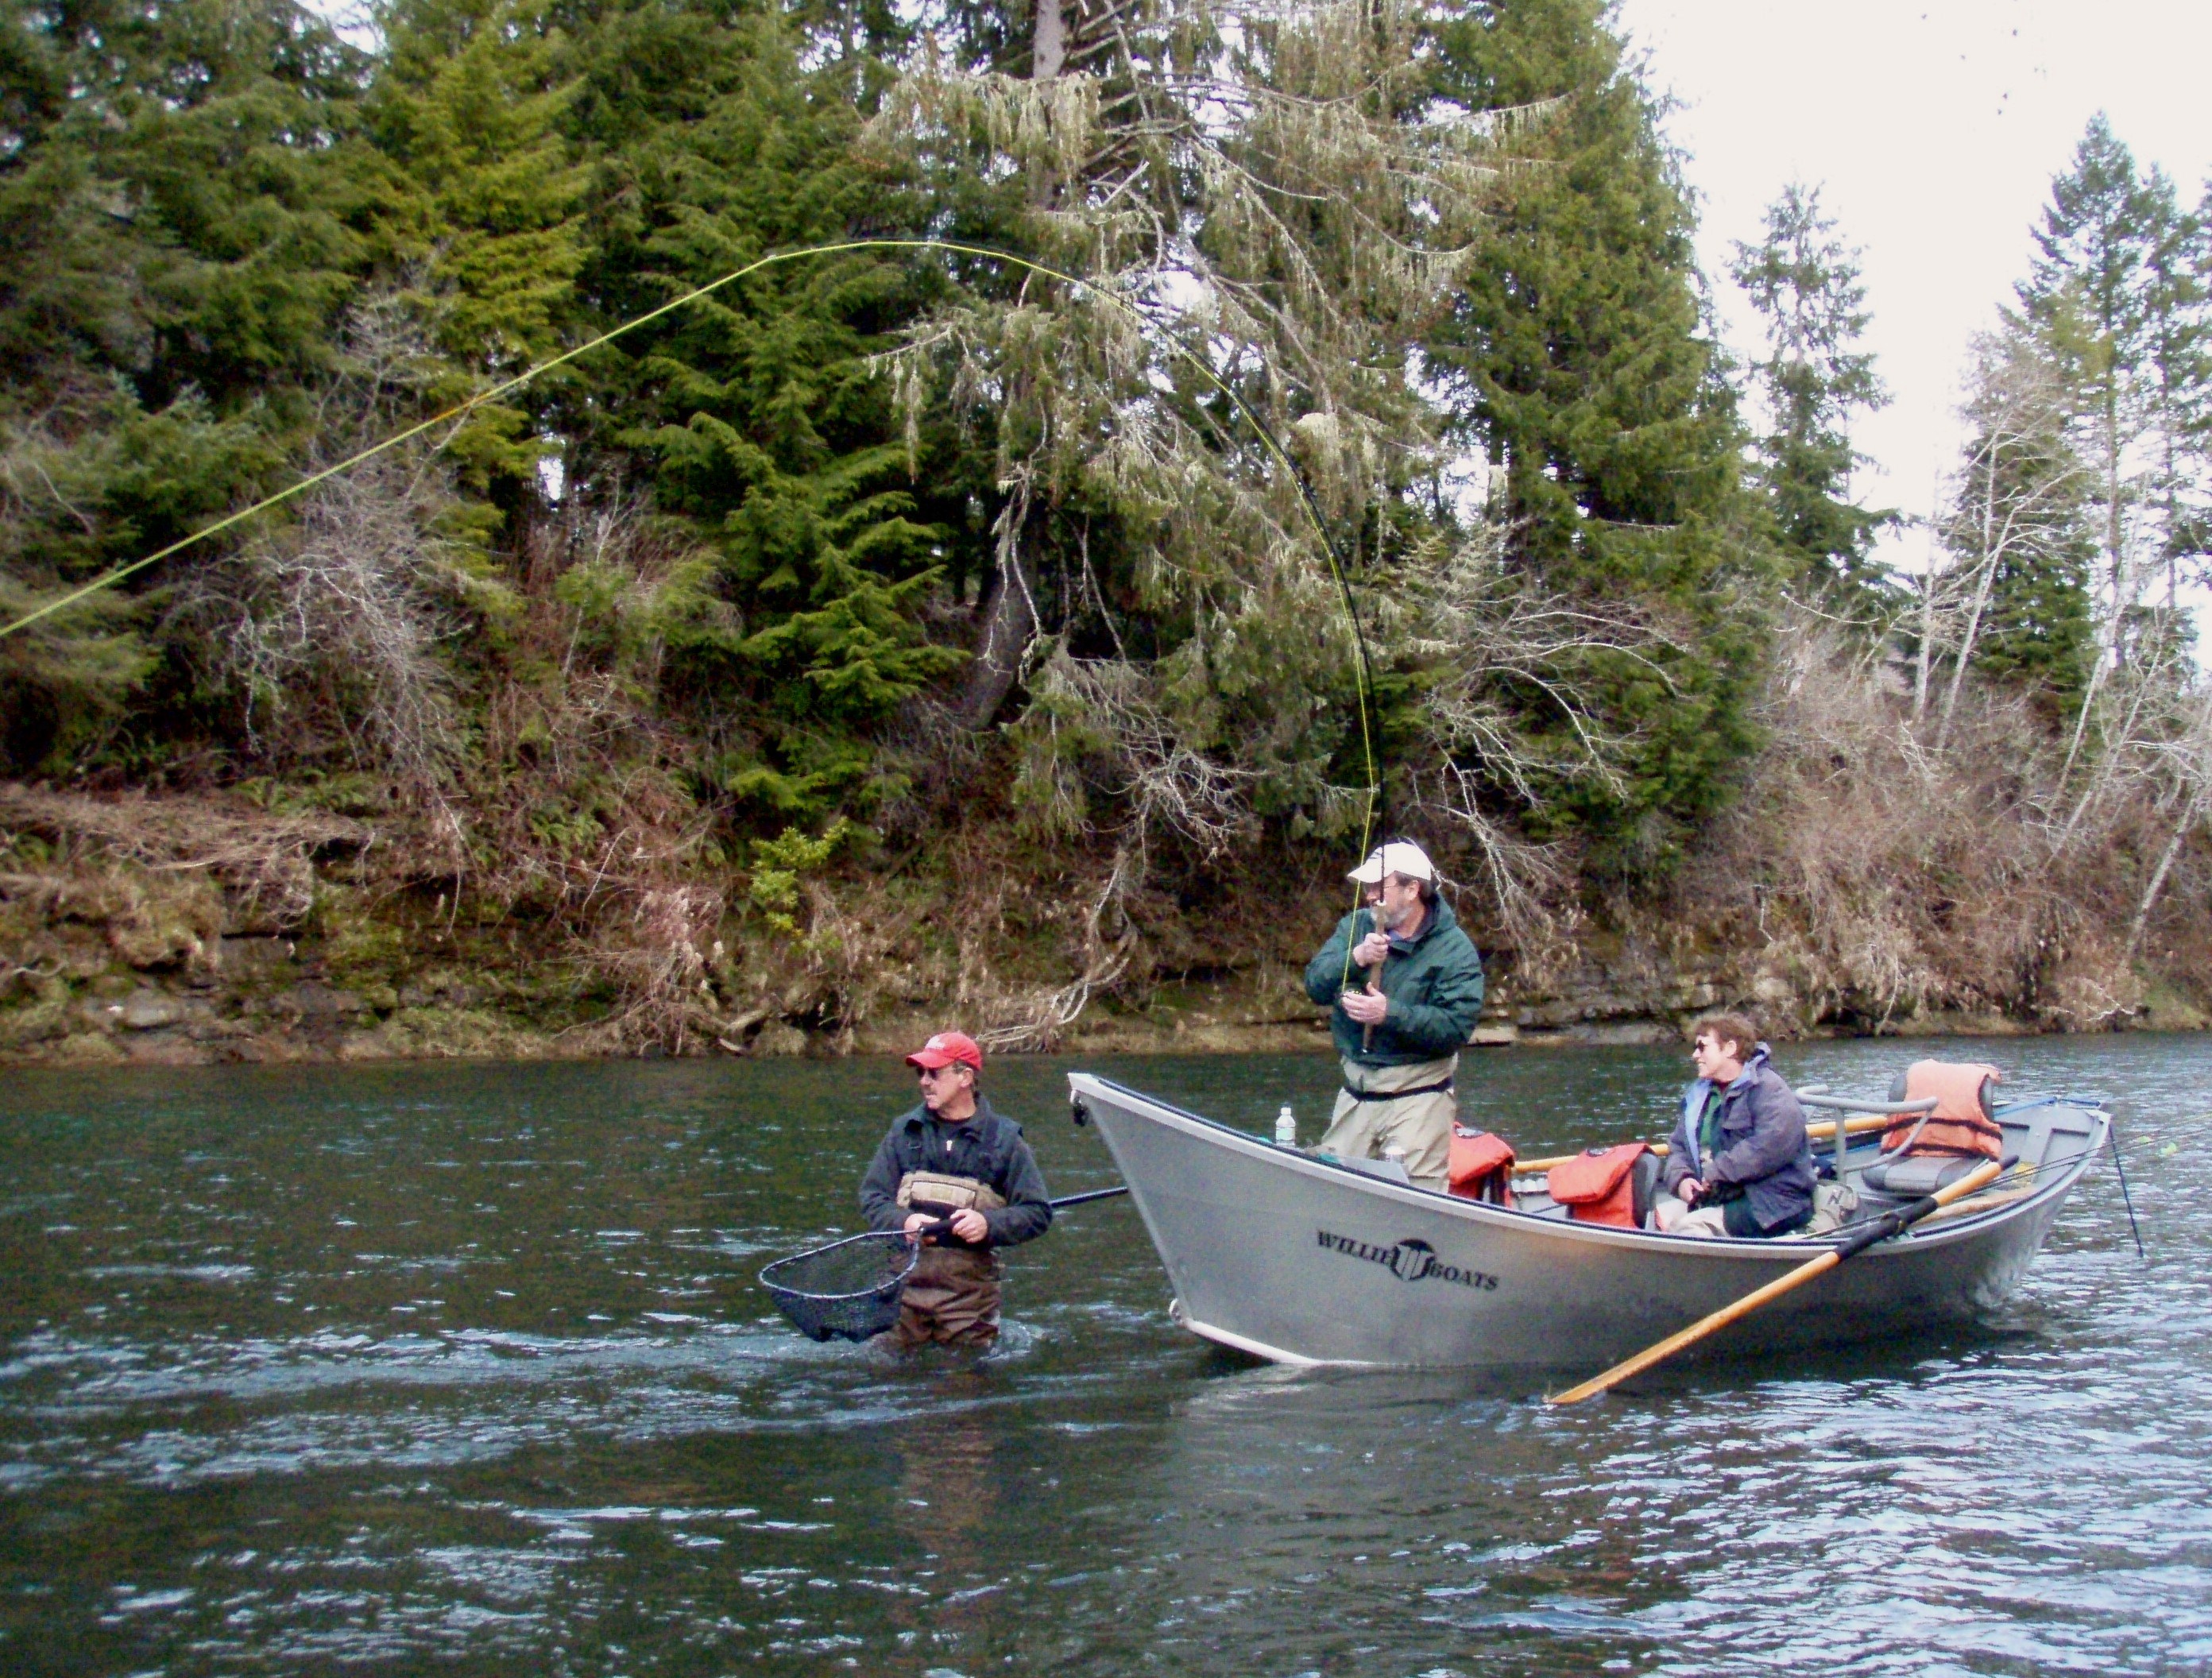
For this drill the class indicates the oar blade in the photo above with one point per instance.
(1774, 1290)
(1697, 1331)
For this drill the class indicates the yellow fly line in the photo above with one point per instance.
(1362, 675)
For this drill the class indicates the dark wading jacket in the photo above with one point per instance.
(985, 1146)
(1433, 980)
(1762, 1143)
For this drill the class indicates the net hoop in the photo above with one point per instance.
(844, 1313)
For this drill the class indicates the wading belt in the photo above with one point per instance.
(1398, 1095)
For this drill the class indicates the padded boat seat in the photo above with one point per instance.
(1915, 1174)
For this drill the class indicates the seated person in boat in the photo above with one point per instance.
(953, 1156)
(1740, 1163)
(1403, 985)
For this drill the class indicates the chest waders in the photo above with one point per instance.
(951, 1295)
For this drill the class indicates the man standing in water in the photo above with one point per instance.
(1399, 1009)
(953, 1157)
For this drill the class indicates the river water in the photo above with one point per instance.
(461, 1369)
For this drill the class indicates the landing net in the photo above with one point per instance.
(848, 1290)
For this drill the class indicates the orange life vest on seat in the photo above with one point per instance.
(1480, 1165)
(1964, 1122)
(1599, 1187)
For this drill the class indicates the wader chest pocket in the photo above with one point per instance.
(940, 1194)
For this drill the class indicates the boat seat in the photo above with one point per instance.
(1913, 1175)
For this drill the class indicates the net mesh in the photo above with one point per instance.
(848, 1290)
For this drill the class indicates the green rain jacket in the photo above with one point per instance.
(1434, 981)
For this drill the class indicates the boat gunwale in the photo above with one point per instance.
(1924, 1238)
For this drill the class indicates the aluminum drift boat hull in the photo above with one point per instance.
(1305, 1261)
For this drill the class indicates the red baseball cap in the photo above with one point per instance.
(945, 1048)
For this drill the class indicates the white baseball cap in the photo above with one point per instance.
(1399, 856)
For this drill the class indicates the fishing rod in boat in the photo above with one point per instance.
(2112, 1145)
(1875, 1118)
(2112, 1141)
(1067, 1201)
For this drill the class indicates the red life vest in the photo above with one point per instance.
(1964, 1123)
(1481, 1166)
(1599, 1186)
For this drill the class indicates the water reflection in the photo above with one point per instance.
(392, 1366)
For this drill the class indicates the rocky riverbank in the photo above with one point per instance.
(199, 930)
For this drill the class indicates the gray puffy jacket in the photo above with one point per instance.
(1763, 1143)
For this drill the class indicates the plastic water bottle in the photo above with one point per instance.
(1286, 1127)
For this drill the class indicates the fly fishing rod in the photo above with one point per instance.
(1363, 667)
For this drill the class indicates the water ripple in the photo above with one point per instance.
(385, 1367)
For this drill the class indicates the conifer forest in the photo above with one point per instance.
(1169, 444)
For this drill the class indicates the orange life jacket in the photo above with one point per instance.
(1480, 1165)
(1964, 1122)
(1599, 1186)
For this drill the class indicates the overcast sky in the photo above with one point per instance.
(1933, 129)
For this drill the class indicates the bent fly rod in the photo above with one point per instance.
(1363, 672)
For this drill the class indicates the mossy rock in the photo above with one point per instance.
(2166, 1009)
(778, 1039)
(38, 1022)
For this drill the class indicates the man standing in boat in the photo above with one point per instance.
(1740, 1163)
(1403, 985)
(952, 1157)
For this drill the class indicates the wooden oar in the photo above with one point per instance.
(1815, 1132)
(1879, 1229)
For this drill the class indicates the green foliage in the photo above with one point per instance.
(2038, 632)
(473, 196)
(1804, 282)
(172, 194)
(2116, 296)
(1579, 362)
(173, 253)
(2115, 310)
(755, 414)
(779, 865)
(2022, 524)
(870, 535)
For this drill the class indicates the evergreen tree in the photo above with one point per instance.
(2019, 530)
(474, 203)
(174, 255)
(1804, 282)
(1277, 196)
(2178, 334)
(2116, 305)
(1578, 360)
(2086, 296)
(758, 415)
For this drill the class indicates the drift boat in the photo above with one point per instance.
(1303, 1258)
